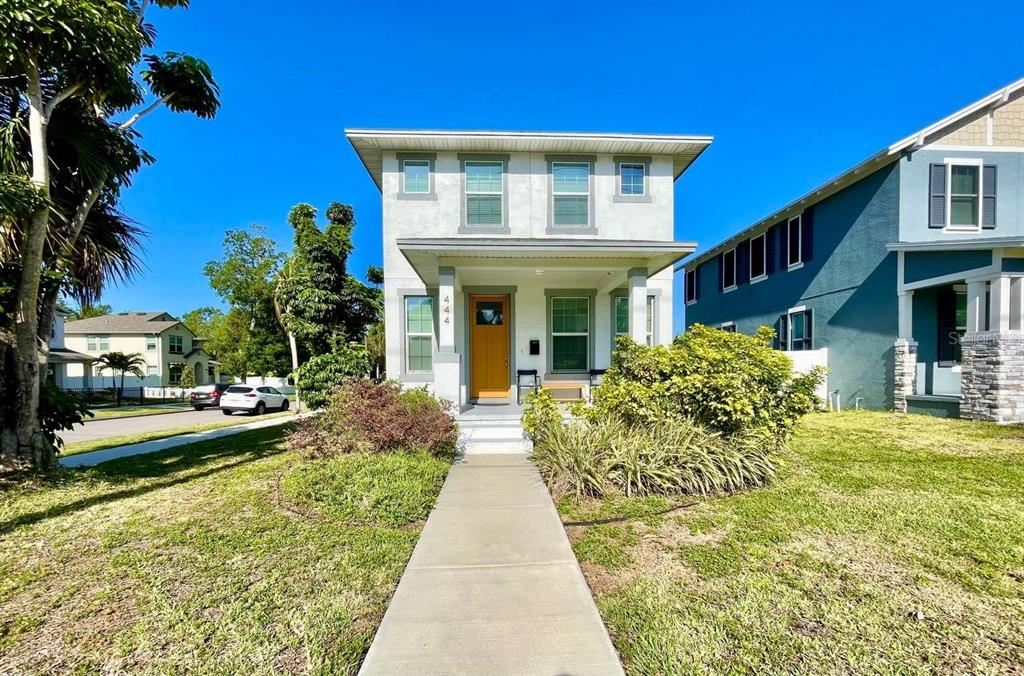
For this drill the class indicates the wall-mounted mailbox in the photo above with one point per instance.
(534, 347)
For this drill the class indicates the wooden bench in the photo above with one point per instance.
(565, 390)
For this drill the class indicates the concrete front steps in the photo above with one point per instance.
(492, 433)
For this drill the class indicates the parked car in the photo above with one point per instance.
(206, 396)
(252, 399)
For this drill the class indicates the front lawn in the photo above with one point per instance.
(888, 544)
(217, 557)
(136, 411)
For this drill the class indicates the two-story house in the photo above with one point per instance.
(168, 346)
(59, 358)
(522, 251)
(908, 268)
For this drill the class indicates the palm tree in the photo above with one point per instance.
(123, 363)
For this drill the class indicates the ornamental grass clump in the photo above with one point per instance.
(362, 416)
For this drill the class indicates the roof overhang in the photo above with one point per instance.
(613, 258)
(970, 244)
(371, 144)
(60, 355)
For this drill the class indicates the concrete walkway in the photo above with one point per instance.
(96, 457)
(493, 586)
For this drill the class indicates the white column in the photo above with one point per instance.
(1017, 303)
(446, 309)
(906, 315)
(638, 305)
(975, 306)
(999, 308)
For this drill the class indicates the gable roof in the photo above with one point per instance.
(370, 144)
(124, 322)
(882, 158)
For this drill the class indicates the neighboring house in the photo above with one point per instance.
(59, 357)
(167, 345)
(510, 251)
(908, 268)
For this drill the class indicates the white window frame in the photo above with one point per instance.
(417, 334)
(153, 347)
(555, 194)
(97, 343)
(500, 193)
(764, 258)
(735, 276)
(651, 323)
(643, 179)
(170, 344)
(978, 164)
(799, 310)
(152, 370)
(728, 327)
(690, 287)
(551, 319)
(416, 162)
(790, 264)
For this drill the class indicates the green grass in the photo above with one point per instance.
(134, 411)
(193, 561)
(113, 442)
(888, 544)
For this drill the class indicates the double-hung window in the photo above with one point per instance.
(799, 330)
(729, 270)
(150, 343)
(415, 177)
(622, 317)
(570, 186)
(152, 371)
(570, 334)
(484, 182)
(419, 334)
(758, 258)
(97, 343)
(964, 196)
(691, 286)
(176, 344)
(174, 374)
(795, 242)
(632, 177)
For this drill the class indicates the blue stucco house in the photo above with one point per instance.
(906, 273)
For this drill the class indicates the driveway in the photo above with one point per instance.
(119, 427)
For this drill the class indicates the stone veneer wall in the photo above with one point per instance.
(992, 377)
(905, 358)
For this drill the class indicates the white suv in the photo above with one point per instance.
(252, 399)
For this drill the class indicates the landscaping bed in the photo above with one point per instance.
(223, 556)
(885, 543)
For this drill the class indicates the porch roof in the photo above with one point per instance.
(62, 355)
(610, 258)
(958, 244)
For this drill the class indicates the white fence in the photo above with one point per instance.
(273, 381)
(805, 360)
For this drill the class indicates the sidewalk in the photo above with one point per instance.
(493, 586)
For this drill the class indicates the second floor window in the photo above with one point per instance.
(795, 236)
(758, 257)
(964, 196)
(177, 344)
(97, 343)
(416, 176)
(484, 188)
(729, 270)
(570, 193)
(631, 178)
(150, 343)
(691, 286)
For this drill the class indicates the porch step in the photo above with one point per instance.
(493, 436)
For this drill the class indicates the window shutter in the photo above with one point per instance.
(783, 244)
(937, 196)
(808, 329)
(988, 206)
(769, 251)
(807, 235)
(721, 272)
(782, 337)
(696, 283)
(743, 262)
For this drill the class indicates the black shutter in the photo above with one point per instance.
(988, 205)
(807, 235)
(808, 330)
(696, 283)
(783, 229)
(743, 262)
(721, 272)
(937, 196)
(782, 333)
(769, 250)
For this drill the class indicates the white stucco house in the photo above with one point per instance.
(523, 251)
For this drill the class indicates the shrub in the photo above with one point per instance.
(727, 382)
(594, 458)
(540, 413)
(365, 417)
(59, 410)
(318, 377)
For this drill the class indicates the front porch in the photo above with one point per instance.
(484, 316)
(960, 351)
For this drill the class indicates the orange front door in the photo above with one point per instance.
(488, 346)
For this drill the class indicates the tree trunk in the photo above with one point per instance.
(295, 369)
(29, 449)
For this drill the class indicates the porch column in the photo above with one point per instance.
(447, 363)
(975, 306)
(1017, 303)
(906, 315)
(999, 305)
(638, 305)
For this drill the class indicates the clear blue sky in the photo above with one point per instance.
(793, 94)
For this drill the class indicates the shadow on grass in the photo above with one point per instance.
(632, 516)
(257, 444)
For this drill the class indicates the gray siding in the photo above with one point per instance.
(850, 284)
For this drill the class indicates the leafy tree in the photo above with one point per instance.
(121, 363)
(188, 378)
(252, 340)
(89, 311)
(68, 70)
